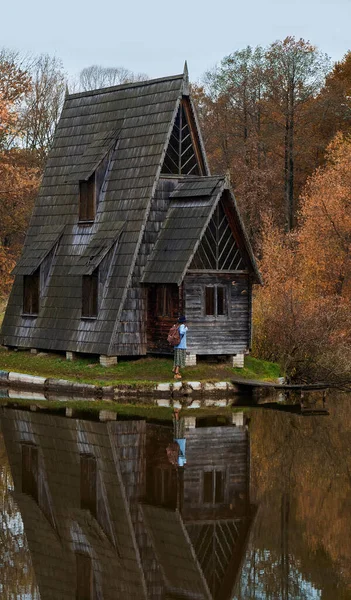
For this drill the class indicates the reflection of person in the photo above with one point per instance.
(180, 350)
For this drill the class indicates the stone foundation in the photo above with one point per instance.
(190, 360)
(70, 355)
(238, 360)
(34, 351)
(107, 361)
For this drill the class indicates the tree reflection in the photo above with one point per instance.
(300, 476)
(17, 577)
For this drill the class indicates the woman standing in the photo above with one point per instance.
(180, 349)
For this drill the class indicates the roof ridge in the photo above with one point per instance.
(122, 86)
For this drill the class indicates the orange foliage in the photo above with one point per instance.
(19, 177)
(303, 313)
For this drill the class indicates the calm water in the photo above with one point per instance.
(260, 510)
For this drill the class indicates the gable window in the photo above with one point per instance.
(184, 155)
(213, 487)
(216, 304)
(88, 478)
(31, 293)
(84, 569)
(90, 285)
(218, 249)
(30, 470)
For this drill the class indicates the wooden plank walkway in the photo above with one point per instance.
(251, 383)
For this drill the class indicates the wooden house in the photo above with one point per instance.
(129, 231)
(211, 492)
(95, 526)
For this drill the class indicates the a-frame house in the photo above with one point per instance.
(130, 230)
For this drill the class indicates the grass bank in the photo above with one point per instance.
(90, 409)
(142, 371)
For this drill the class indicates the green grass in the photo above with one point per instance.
(138, 372)
(91, 408)
(258, 369)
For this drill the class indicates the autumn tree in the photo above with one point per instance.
(231, 109)
(97, 76)
(14, 83)
(19, 175)
(332, 107)
(255, 108)
(295, 74)
(42, 105)
(302, 314)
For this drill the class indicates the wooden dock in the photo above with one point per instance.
(252, 383)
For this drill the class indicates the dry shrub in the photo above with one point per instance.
(302, 313)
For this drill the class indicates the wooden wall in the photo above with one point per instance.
(222, 448)
(158, 326)
(131, 336)
(222, 335)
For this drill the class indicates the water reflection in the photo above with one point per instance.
(247, 505)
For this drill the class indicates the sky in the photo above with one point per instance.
(156, 37)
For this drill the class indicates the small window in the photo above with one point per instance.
(210, 301)
(163, 301)
(90, 286)
(213, 487)
(88, 475)
(84, 587)
(30, 470)
(87, 200)
(216, 301)
(90, 191)
(31, 293)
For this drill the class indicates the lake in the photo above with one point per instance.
(223, 504)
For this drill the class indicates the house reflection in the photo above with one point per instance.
(109, 513)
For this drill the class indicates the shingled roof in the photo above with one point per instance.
(181, 571)
(193, 202)
(134, 121)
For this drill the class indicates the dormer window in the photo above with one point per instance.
(90, 285)
(87, 200)
(31, 293)
(90, 190)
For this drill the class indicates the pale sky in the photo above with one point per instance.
(155, 37)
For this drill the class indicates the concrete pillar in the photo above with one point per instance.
(190, 422)
(238, 419)
(107, 361)
(70, 355)
(107, 415)
(238, 360)
(34, 351)
(190, 360)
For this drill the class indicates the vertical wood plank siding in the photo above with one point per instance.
(218, 335)
(230, 458)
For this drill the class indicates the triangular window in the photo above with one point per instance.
(183, 156)
(218, 250)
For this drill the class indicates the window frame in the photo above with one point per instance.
(215, 301)
(163, 301)
(29, 281)
(88, 496)
(90, 190)
(90, 299)
(84, 576)
(30, 475)
(217, 492)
